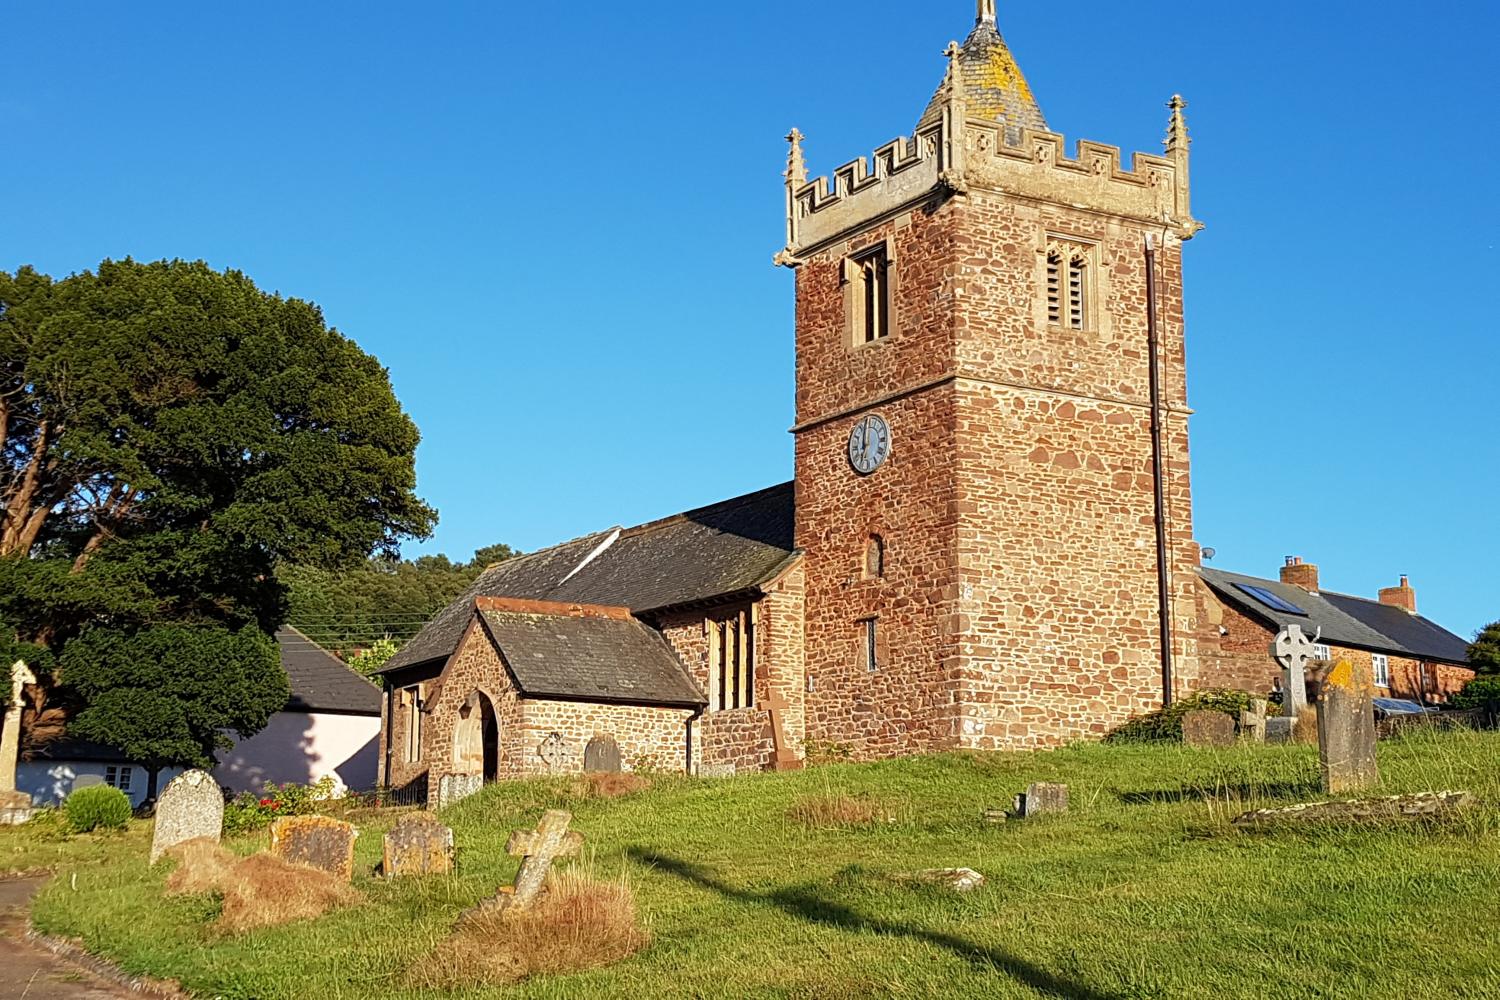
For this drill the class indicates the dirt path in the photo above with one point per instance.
(31, 972)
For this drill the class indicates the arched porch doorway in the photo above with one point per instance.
(476, 738)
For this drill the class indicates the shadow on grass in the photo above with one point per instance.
(1240, 790)
(814, 908)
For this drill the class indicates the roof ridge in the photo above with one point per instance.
(671, 519)
(524, 556)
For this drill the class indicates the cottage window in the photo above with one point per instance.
(1070, 281)
(1322, 653)
(867, 280)
(411, 703)
(118, 777)
(1381, 666)
(731, 660)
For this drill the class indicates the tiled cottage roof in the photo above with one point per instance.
(1346, 621)
(727, 548)
(994, 86)
(320, 681)
(588, 657)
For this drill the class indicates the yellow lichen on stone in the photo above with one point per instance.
(1342, 675)
(1004, 74)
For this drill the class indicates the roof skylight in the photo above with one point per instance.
(1271, 600)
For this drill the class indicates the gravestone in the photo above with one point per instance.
(1253, 721)
(15, 806)
(191, 807)
(554, 753)
(457, 787)
(601, 756)
(1421, 807)
(1292, 650)
(952, 879)
(1280, 729)
(1041, 798)
(1208, 729)
(317, 842)
(1346, 729)
(418, 845)
(537, 849)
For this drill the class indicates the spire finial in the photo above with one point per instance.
(796, 165)
(987, 11)
(1177, 131)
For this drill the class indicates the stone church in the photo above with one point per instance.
(988, 543)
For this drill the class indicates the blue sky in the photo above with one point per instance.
(554, 223)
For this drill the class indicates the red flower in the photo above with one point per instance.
(268, 802)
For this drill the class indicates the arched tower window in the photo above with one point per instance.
(1070, 285)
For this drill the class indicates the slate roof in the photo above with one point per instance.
(320, 681)
(994, 86)
(724, 549)
(1346, 621)
(590, 658)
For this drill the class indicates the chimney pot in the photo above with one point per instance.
(1297, 573)
(1401, 596)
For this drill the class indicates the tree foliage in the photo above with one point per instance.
(381, 599)
(171, 434)
(1484, 654)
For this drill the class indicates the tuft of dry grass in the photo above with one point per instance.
(579, 923)
(1307, 726)
(838, 810)
(259, 891)
(611, 786)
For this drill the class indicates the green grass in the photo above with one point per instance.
(1142, 890)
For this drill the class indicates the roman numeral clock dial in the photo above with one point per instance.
(869, 444)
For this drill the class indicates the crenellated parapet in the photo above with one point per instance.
(946, 158)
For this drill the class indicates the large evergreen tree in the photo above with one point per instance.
(172, 433)
(1484, 654)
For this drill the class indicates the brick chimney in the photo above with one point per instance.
(1402, 597)
(1300, 574)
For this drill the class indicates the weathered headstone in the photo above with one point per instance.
(317, 842)
(537, 849)
(1423, 806)
(191, 807)
(953, 879)
(1346, 729)
(717, 770)
(457, 787)
(15, 806)
(1280, 729)
(601, 756)
(1040, 798)
(1208, 729)
(783, 757)
(554, 752)
(1292, 650)
(1253, 721)
(418, 845)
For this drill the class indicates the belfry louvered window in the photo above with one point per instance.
(1069, 285)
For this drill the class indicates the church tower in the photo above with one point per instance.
(989, 546)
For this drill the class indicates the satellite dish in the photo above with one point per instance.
(1210, 553)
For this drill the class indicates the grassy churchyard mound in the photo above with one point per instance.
(775, 885)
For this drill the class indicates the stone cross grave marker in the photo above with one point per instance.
(191, 807)
(1253, 721)
(537, 849)
(1208, 729)
(1346, 729)
(601, 756)
(15, 806)
(418, 845)
(553, 751)
(1292, 650)
(317, 842)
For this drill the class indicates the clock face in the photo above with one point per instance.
(869, 444)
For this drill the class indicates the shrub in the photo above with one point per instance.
(249, 811)
(98, 807)
(1165, 724)
(1480, 693)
